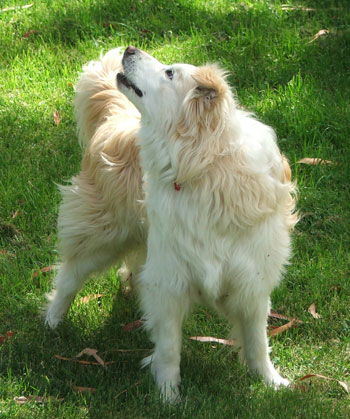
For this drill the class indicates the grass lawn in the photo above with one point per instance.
(293, 80)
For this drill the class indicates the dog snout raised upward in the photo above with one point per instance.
(130, 50)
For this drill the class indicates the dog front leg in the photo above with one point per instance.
(164, 313)
(255, 350)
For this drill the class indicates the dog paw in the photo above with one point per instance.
(51, 323)
(278, 382)
(169, 393)
(167, 379)
(47, 316)
(51, 320)
(124, 273)
(269, 374)
(281, 382)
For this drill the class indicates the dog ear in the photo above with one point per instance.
(202, 123)
(204, 105)
(206, 93)
(211, 84)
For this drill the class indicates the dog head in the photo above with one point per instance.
(191, 106)
(170, 93)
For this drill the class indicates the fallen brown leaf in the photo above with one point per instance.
(320, 33)
(9, 9)
(43, 270)
(128, 351)
(5, 252)
(6, 336)
(344, 385)
(283, 317)
(315, 161)
(312, 311)
(28, 33)
(272, 327)
(299, 386)
(84, 389)
(90, 297)
(92, 352)
(15, 214)
(80, 361)
(56, 118)
(133, 325)
(231, 342)
(341, 383)
(20, 399)
(281, 329)
(286, 7)
(36, 399)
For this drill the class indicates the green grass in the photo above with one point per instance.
(300, 88)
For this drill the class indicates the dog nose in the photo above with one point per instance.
(130, 50)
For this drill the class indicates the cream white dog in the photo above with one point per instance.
(218, 198)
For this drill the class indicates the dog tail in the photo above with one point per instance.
(97, 97)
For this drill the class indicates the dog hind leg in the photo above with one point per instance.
(91, 239)
(71, 276)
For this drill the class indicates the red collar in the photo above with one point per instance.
(177, 186)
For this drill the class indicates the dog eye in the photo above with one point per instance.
(170, 74)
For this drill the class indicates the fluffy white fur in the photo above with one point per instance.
(218, 198)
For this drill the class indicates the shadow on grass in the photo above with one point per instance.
(153, 21)
(213, 380)
(30, 353)
(147, 21)
(245, 39)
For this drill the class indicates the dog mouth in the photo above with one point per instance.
(122, 79)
